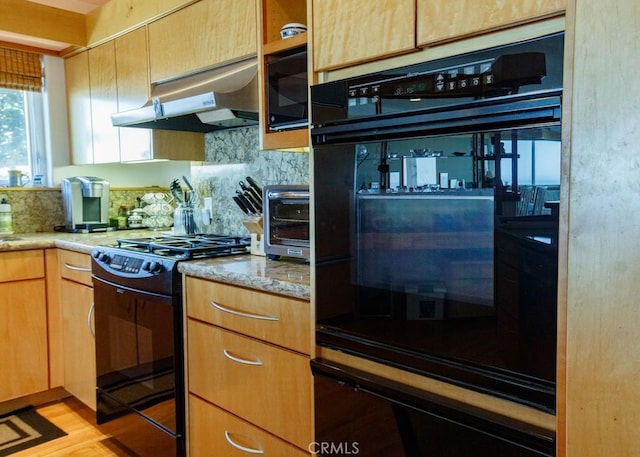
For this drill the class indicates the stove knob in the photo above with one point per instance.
(152, 267)
(100, 256)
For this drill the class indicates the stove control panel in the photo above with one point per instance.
(129, 265)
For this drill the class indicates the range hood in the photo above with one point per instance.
(220, 98)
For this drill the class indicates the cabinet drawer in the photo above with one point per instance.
(279, 320)
(19, 265)
(268, 386)
(75, 266)
(213, 428)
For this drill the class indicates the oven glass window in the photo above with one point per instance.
(443, 246)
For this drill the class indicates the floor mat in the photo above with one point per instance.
(23, 429)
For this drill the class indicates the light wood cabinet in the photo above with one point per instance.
(104, 102)
(441, 20)
(76, 301)
(23, 324)
(114, 77)
(132, 75)
(231, 436)
(201, 35)
(271, 318)
(79, 108)
(355, 31)
(272, 15)
(248, 355)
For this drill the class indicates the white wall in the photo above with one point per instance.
(129, 174)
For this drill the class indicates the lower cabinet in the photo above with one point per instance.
(247, 393)
(212, 428)
(23, 324)
(76, 302)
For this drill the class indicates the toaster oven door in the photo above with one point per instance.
(287, 224)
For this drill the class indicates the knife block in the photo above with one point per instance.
(254, 225)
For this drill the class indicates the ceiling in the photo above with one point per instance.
(77, 6)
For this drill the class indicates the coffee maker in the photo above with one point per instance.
(85, 200)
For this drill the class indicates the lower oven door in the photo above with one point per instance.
(139, 374)
(362, 414)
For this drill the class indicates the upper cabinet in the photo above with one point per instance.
(272, 15)
(442, 20)
(79, 108)
(201, 35)
(109, 78)
(358, 31)
(132, 72)
(350, 32)
(104, 102)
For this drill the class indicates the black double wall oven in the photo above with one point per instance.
(436, 191)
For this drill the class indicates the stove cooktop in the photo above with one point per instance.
(187, 247)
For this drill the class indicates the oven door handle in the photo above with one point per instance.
(89, 315)
(228, 355)
(240, 447)
(243, 314)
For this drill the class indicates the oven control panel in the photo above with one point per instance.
(127, 264)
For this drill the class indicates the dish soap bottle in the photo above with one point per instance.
(6, 221)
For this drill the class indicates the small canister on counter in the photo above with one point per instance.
(6, 219)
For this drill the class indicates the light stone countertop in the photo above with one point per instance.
(283, 277)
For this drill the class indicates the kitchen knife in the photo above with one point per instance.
(241, 205)
(245, 202)
(251, 195)
(255, 186)
(254, 202)
(257, 196)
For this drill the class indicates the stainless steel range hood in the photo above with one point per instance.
(220, 98)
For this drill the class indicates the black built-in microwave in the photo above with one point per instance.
(287, 93)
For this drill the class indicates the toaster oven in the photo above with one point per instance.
(286, 221)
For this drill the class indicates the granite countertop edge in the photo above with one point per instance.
(279, 277)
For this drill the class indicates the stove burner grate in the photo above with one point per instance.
(188, 246)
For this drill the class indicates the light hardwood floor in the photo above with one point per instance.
(84, 438)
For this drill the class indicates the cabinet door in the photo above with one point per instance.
(79, 105)
(104, 102)
(349, 32)
(204, 34)
(132, 70)
(78, 342)
(442, 20)
(23, 326)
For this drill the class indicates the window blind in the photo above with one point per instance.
(20, 70)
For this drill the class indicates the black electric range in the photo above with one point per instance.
(139, 335)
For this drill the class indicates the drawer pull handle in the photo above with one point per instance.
(74, 268)
(240, 313)
(229, 356)
(89, 314)
(249, 450)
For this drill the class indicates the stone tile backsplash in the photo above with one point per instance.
(230, 156)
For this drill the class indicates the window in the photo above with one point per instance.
(21, 114)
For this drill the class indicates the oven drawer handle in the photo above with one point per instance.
(74, 268)
(229, 356)
(249, 450)
(89, 314)
(242, 314)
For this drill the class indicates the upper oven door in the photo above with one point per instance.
(436, 242)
